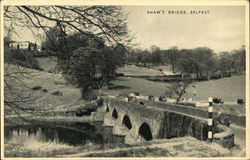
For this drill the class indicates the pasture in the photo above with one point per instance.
(42, 86)
(229, 89)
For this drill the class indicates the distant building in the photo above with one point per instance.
(23, 46)
(14, 45)
(39, 48)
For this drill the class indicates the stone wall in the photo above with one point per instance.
(177, 125)
(224, 137)
(164, 120)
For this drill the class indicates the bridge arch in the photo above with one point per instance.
(145, 132)
(115, 114)
(126, 121)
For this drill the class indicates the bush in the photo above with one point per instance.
(36, 88)
(44, 90)
(100, 102)
(23, 58)
(88, 94)
(57, 93)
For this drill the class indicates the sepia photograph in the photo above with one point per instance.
(155, 80)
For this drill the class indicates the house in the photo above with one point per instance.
(39, 48)
(14, 45)
(23, 45)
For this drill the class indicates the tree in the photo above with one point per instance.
(156, 57)
(112, 58)
(104, 24)
(19, 97)
(50, 43)
(188, 66)
(173, 57)
(83, 64)
(177, 89)
(154, 48)
(225, 62)
(239, 60)
(92, 68)
(62, 46)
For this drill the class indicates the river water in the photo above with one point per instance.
(71, 134)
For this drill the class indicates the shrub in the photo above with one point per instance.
(36, 88)
(100, 102)
(44, 90)
(23, 58)
(88, 94)
(57, 93)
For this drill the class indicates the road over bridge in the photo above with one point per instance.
(154, 120)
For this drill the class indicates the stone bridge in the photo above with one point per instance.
(154, 120)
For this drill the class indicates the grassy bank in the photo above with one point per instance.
(176, 147)
(43, 88)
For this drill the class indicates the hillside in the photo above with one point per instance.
(228, 89)
(48, 83)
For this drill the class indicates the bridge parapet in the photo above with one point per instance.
(155, 120)
(192, 111)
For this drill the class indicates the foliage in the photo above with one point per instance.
(91, 68)
(57, 93)
(36, 88)
(105, 22)
(85, 61)
(111, 59)
(189, 65)
(7, 41)
(83, 65)
(177, 89)
(63, 27)
(23, 58)
(201, 61)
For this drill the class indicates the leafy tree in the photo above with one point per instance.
(63, 46)
(189, 66)
(225, 62)
(51, 43)
(156, 57)
(83, 65)
(239, 60)
(92, 68)
(112, 58)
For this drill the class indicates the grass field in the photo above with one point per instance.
(48, 64)
(71, 96)
(132, 70)
(228, 89)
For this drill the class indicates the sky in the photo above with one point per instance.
(222, 28)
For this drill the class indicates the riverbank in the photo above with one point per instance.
(175, 147)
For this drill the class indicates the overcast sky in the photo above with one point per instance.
(223, 29)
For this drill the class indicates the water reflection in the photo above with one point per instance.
(76, 134)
